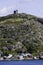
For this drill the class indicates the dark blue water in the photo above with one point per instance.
(30, 62)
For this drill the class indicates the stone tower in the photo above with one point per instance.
(15, 11)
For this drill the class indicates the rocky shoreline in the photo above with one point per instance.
(26, 56)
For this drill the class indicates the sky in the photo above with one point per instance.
(33, 7)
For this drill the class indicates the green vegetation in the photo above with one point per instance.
(23, 28)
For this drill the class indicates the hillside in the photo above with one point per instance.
(20, 33)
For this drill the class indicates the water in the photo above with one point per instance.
(30, 62)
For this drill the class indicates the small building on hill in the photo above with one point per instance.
(15, 11)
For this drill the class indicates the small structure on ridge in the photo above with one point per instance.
(15, 11)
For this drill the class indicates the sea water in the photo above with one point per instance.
(29, 62)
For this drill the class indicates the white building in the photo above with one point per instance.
(10, 56)
(21, 57)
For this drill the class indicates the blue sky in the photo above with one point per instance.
(34, 7)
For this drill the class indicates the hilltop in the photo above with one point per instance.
(21, 33)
